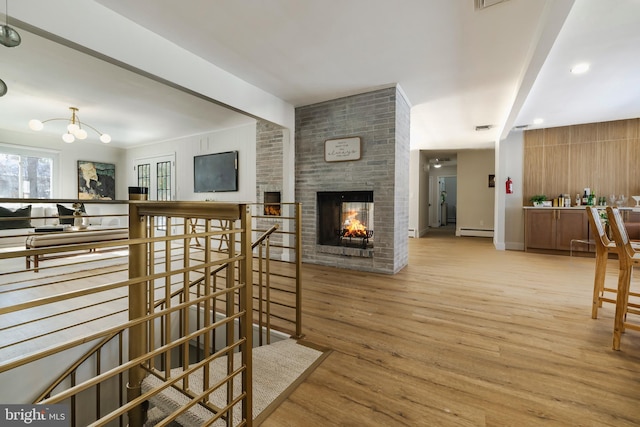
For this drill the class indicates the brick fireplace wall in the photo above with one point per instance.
(269, 167)
(381, 120)
(269, 174)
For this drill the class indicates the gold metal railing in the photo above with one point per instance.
(278, 281)
(236, 321)
(173, 245)
(159, 262)
(277, 268)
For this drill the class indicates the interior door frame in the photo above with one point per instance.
(435, 209)
(153, 179)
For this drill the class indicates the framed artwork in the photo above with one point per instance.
(96, 180)
(492, 180)
(342, 150)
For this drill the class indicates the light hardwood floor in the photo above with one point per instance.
(464, 336)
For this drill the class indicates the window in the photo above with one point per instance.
(143, 175)
(163, 180)
(26, 176)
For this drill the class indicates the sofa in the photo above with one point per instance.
(18, 221)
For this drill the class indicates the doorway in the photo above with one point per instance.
(158, 175)
(448, 190)
(443, 203)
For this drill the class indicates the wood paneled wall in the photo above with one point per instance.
(564, 160)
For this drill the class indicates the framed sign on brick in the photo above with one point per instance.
(342, 149)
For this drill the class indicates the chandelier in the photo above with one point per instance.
(74, 128)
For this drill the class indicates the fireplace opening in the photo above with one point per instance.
(345, 218)
(272, 203)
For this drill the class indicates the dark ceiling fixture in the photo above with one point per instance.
(3, 88)
(437, 163)
(483, 4)
(8, 36)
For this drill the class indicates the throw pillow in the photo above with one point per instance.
(24, 222)
(65, 211)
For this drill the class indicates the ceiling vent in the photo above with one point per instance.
(483, 127)
(482, 4)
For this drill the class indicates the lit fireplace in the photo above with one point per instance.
(272, 203)
(355, 232)
(345, 218)
(352, 227)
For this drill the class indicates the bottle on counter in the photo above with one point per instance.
(585, 197)
(578, 199)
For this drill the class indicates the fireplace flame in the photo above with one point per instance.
(353, 227)
(272, 210)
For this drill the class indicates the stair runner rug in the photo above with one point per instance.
(278, 369)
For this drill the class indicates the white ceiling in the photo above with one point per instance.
(45, 78)
(459, 67)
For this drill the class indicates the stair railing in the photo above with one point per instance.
(288, 281)
(148, 277)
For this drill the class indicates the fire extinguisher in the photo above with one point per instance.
(509, 185)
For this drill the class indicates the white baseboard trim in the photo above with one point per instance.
(514, 246)
(475, 232)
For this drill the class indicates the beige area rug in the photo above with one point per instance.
(277, 370)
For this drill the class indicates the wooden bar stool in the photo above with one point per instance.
(628, 258)
(604, 246)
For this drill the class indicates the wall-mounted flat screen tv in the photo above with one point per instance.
(215, 172)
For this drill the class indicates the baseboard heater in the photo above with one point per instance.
(475, 232)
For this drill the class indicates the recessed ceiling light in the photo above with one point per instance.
(538, 121)
(583, 67)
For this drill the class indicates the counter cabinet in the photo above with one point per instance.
(553, 229)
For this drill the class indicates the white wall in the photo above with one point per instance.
(475, 197)
(66, 174)
(415, 192)
(241, 138)
(418, 194)
(509, 214)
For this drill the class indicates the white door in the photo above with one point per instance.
(158, 175)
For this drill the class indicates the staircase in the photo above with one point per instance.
(277, 369)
